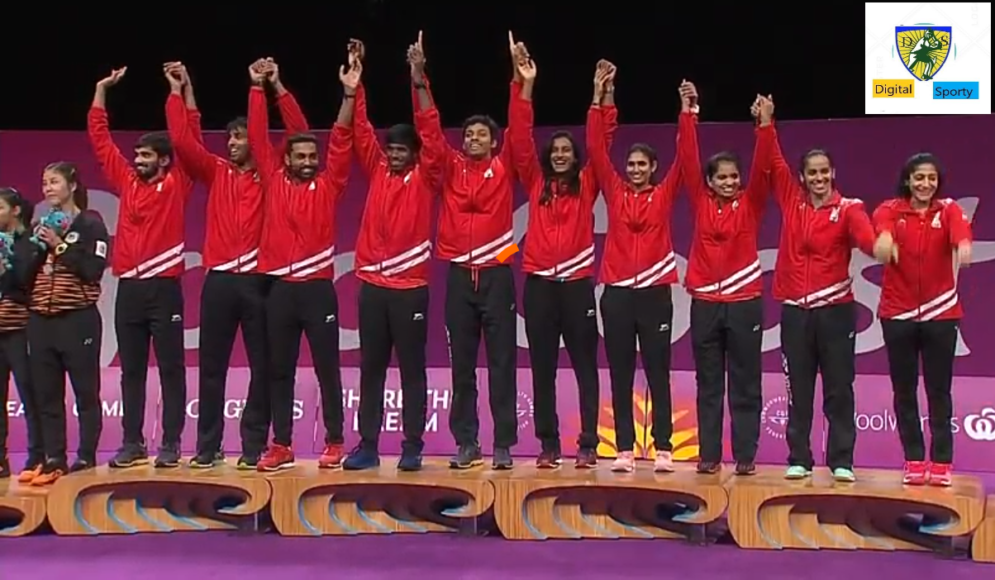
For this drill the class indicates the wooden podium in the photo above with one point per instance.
(144, 499)
(308, 501)
(568, 503)
(983, 543)
(875, 513)
(22, 508)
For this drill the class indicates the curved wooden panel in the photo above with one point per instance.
(568, 503)
(144, 499)
(22, 508)
(875, 513)
(983, 544)
(308, 501)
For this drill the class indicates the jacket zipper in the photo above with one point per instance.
(807, 234)
(922, 235)
(556, 237)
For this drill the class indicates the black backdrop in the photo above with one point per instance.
(809, 55)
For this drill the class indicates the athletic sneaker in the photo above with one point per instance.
(361, 458)
(466, 457)
(746, 468)
(207, 460)
(625, 462)
(275, 458)
(50, 473)
(915, 473)
(4, 468)
(247, 462)
(586, 459)
(168, 457)
(797, 472)
(549, 460)
(709, 467)
(82, 464)
(844, 475)
(410, 460)
(332, 456)
(130, 455)
(502, 459)
(941, 474)
(664, 462)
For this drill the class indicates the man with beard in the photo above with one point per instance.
(234, 290)
(148, 258)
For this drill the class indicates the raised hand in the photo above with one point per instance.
(257, 71)
(416, 58)
(272, 71)
(689, 97)
(525, 68)
(350, 76)
(113, 78)
(604, 73)
(766, 109)
(175, 74)
(755, 108)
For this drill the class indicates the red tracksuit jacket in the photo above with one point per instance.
(560, 243)
(394, 247)
(298, 240)
(639, 252)
(813, 258)
(235, 197)
(149, 241)
(475, 219)
(922, 285)
(724, 265)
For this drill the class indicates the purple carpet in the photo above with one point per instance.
(219, 555)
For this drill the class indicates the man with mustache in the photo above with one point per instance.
(147, 256)
(234, 290)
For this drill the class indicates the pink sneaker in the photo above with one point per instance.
(664, 462)
(625, 462)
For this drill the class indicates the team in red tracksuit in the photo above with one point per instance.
(475, 227)
(393, 254)
(298, 248)
(920, 313)
(234, 292)
(637, 268)
(559, 289)
(818, 318)
(724, 280)
(147, 255)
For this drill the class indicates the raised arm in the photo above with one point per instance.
(367, 147)
(604, 92)
(267, 160)
(688, 150)
(782, 181)
(758, 186)
(338, 156)
(117, 171)
(190, 150)
(436, 150)
(293, 117)
(521, 120)
(597, 135)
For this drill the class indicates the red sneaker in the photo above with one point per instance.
(916, 473)
(275, 458)
(332, 456)
(941, 474)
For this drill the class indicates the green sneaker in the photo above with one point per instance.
(797, 472)
(844, 475)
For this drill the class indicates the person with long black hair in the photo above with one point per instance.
(65, 327)
(15, 216)
(638, 268)
(724, 281)
(559, 264)
(927, 237)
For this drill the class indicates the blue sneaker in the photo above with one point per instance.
(409, 461)
(361, 458)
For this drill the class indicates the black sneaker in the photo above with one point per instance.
(746, 468)
(207, 460)
(130, 455)
(410, 461)
(168, 457)
(709, 467)
(247, 462)
(82, 464)
(502, 459)
(4, 468)
(468, 456)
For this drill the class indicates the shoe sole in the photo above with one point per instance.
(350, 468)
(797, 477)
(409, 469)
(247, 467)
(281, 467)
(471, 465)
(338, 465)
(663, 470)
(623, 469)
(502, 466)
(166, 464)
(135, 463)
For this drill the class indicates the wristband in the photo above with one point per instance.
(419, 85)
